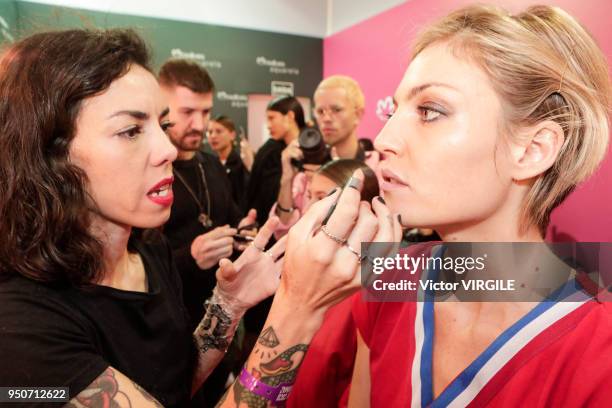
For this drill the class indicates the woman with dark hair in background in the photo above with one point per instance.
(84, 303)
(222, 140)
(285, 119)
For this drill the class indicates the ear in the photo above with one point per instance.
(291, 115)
(232, 136)
(537, 149)
(359, 112)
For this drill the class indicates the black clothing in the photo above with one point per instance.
(54, 335)
(264, 184)
(238, 176)
(183, 226)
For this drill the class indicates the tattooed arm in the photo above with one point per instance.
(278, 353)
(113, 389)
(213, 336)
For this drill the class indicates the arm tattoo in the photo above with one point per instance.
(102, 392)
(281, 368)
(268, 338)
(214, 332)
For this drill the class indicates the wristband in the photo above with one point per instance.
(275, 394)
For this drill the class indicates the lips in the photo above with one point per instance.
(391, 181)
(161, 193)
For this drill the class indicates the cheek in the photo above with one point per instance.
(453, 176)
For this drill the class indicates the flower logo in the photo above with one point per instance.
(384, 108)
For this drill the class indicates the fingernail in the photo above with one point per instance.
(355, 183)
(332, 192)
(382, 200)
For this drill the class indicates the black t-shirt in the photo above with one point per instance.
(238, 176)
(183, 226)
(264, 183)
(52, 336)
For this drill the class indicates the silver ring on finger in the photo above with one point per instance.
(333, 237)
(256, 247)
(354, 251)
(270, 254)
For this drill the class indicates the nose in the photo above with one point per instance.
(197, 122)
(163, 151)
(388, 142)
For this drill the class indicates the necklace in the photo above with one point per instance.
(204, 216)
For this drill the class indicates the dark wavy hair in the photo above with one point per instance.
(340, 171)
(285, 104)
(44, 211)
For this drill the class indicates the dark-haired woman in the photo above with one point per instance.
(86, 304)
(285, 119)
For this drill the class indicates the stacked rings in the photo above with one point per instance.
(331, 236)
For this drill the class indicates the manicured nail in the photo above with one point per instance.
(355, 183)
(382, 200)
(332, 192)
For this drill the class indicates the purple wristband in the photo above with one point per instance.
(275, 394)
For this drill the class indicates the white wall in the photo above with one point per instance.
(301, 17)
(344, 13)
(314, 18)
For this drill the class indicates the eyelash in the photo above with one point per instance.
(167, 125)
(423, 110)
(131, 132)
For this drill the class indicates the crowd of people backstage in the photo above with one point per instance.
(210, 210)
(141, 234)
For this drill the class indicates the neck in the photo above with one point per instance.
(120, 268)
(501, 226)
(224, 153)
(291, 135)
(348, 147)
(185, 154)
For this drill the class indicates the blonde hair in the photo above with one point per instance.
(352, 88)
(545, 66)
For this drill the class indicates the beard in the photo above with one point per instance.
(189, 141)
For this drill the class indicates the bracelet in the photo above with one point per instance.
(287, 210)
(275, 394)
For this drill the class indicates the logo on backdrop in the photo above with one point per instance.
(276, 66)
(384, 108)
(199, 57)
(5, 30)
(236, 100)
(281, 88)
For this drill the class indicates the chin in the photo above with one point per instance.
(152, 220)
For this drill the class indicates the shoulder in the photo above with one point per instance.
(45, 333)
(271, 147)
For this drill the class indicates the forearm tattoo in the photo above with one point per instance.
(216, 329)
(105, 392)
(275, 367)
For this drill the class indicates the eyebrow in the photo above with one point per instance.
(139, 114)
(418, 89)
(133, 113)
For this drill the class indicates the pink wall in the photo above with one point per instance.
(375, 53)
